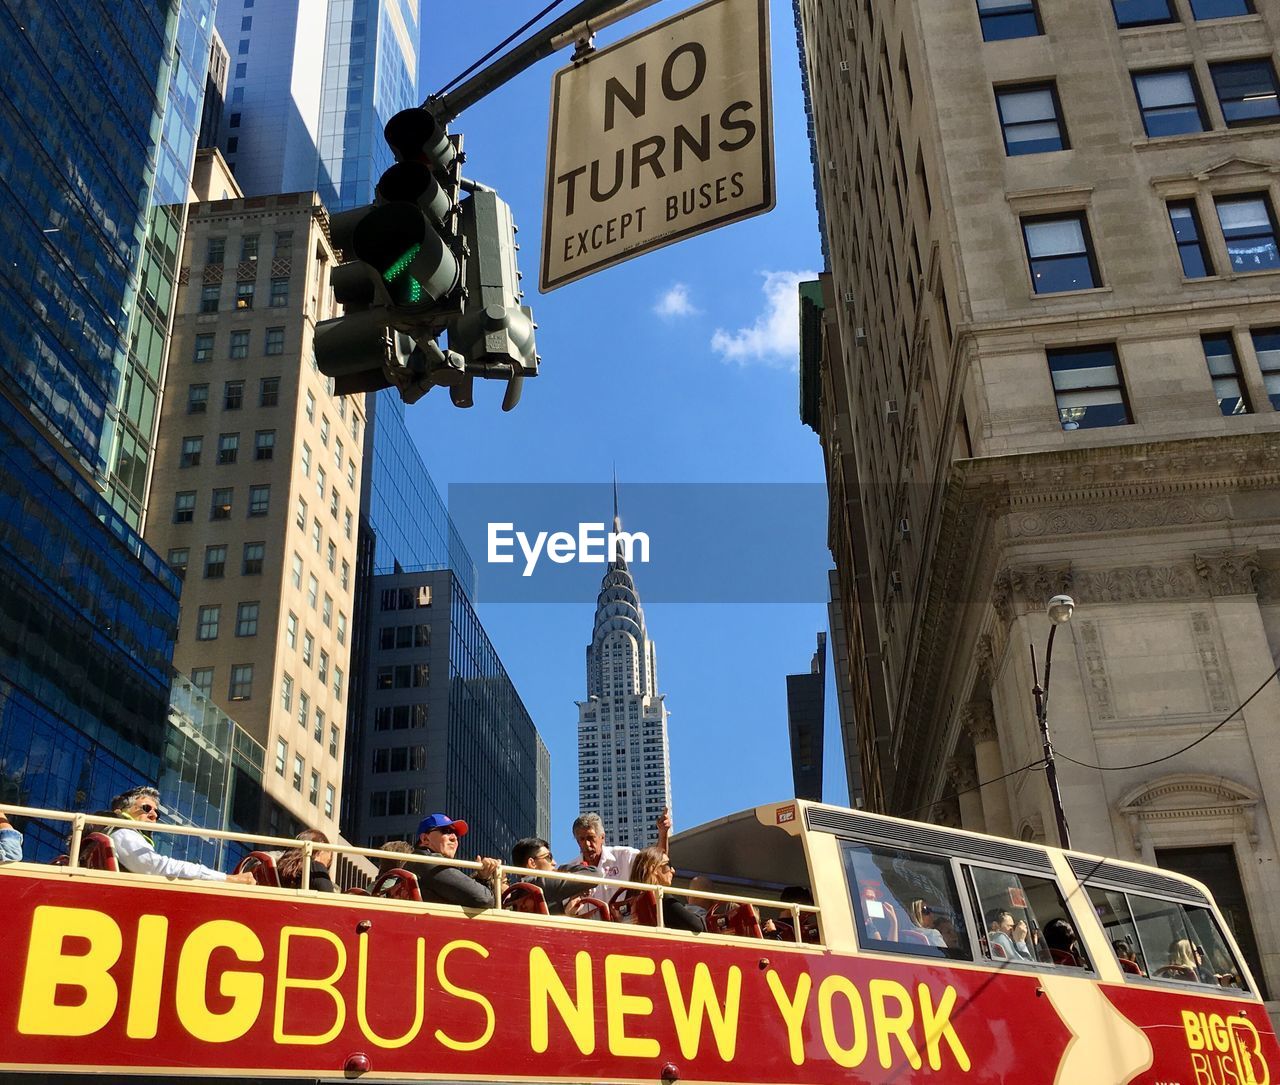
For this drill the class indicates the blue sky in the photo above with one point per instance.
(678, 366)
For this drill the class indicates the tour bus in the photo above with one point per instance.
(841, 946)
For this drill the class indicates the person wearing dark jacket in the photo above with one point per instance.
(438, 836)
(289, 865)
(653, 867)
(534, 853)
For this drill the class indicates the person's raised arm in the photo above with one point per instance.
(664, 828)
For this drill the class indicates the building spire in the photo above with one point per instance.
(617, 520)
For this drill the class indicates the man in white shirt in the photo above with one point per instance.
(588, 831)
(135, 851)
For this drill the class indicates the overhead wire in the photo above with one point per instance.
(499, 47)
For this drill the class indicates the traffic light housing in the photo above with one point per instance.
(435, 254)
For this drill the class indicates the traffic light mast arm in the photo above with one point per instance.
(579, 21)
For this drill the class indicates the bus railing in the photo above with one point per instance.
(81, 822)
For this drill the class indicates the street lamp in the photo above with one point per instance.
(1059, 610)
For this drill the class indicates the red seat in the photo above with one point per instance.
(357, 891)
(397, 884)
(1062, 957)
(914, 937)
(638, 906)
(262, 865)
(525, 897)
(1129, 966)
(726, 917)
(998, 952)
(587, 907)
(97, 852)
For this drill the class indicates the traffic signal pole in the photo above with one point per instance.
(575, 25)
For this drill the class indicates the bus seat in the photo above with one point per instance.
(726, 917)
(1063, 957)
(634, 906)
(525, 897)
(357, 891)
(997, 952)
(97, 852)
(1175, 972)
(262, 865)
(1129, 966)
(397, 884)
(914, 937)
(587, 907)
(62, 860)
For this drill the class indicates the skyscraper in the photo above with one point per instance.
(1049, 362)
(806, 706)
(312, 84)
(96, 122)
(624, 770)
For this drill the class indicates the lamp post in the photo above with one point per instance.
(1059, 609)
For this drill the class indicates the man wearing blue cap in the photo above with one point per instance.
(438, 836)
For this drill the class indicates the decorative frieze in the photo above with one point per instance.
(1228, 572)
(1141, 584)
(1189, 797)
(1017, 590)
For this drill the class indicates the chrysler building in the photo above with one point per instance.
(624, 771)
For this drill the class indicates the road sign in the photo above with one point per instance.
(664, 135)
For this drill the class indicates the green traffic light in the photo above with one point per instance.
(401, 267)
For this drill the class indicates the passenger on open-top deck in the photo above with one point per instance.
(438, 835)
(289, 865)
(588, 831)
(10, 841)
(136, 851)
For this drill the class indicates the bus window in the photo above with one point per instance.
(1025, 919)
(905, 902)
(1117, 921)
(1182, 942)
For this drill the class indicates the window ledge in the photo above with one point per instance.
(1212, 135)
(1070, 293)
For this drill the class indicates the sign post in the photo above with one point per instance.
(667, 134)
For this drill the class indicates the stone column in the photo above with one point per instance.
(979, 721)
(964, 782)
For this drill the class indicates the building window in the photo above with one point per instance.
(247, 620)
(1088, 388)
(249, 247)
(346, 575)
(1031, 119)
(313, 590)
(1220, 9)
(240, 344)
(296, 571)
(304, 710)
(190, 456)
(264, 444)
(351, 473)
(311, 408)
(286, 693)
(331, 556)
(337, 683)
(269, 392)
(220, 503)
(215, 562)
(203, 349)
(322, 671)
(308, 648)
(319, 730)
(291, 631)
(1224, 371)
(207, 622)
(1246, 91)
(1004, 19)
(184, 507)
(282, 756)
(197, 398)
(244, 295)
(320, 481)
(1249, 229)
(233, 395)
(177, 560)
(233, 122)
(341, 631)
(333, 503)
(326, 610)
(233, 142)
(279, 293)
(275, 341)
(254, 553)
(202, 679)
(284, 244)
(328, 800)
(1169, 102)
(316, 535)
(241, 688)
(1266, 345)
(228, 447)
(346, 523)
(1196, 261)
(299, 767)
(300, 515)
(324, 430)
(1142, 12)
(209, 303)
(215, 250)
(313, 791)
(259, 500)
(1059, 253)
(306, 459)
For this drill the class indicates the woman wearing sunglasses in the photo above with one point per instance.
(136, 851)
(653, 867)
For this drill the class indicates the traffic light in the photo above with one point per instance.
(435, 254)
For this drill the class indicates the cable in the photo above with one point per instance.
(1213, 730)
(498, 48)
(976, 787)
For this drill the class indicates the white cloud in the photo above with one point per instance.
(774, 337)
(674, 303)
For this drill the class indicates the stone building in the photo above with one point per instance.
(1049, 361)
(256, 489)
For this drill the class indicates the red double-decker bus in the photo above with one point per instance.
(926, 955)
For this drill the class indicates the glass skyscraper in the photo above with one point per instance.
(96, 111)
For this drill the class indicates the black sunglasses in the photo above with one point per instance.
(147, 808)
